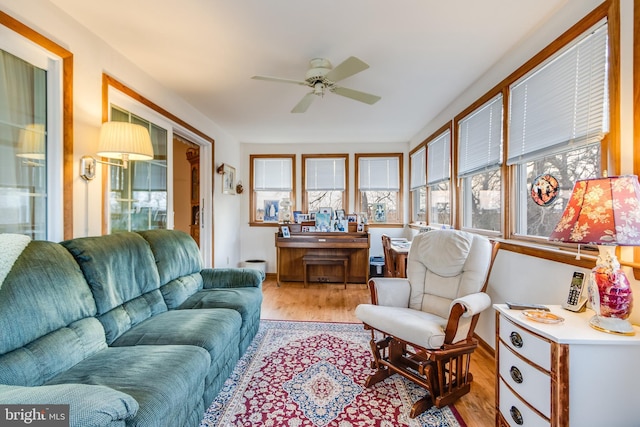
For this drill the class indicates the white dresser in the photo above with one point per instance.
(565, 374)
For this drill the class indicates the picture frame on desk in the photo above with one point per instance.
(271, 209)
(339, 225)
(285, 231)
(323, 222)
(360, 228)
(379, 212)
(352, 218)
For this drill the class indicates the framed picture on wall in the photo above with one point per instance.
(228, 180)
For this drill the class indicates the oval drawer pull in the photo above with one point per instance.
(516, 339)
(516, 375)
(516, 415)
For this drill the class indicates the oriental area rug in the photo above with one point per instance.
(298, 374)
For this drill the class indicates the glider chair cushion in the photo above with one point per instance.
(434, 311)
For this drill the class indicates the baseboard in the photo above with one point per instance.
(486, 347)
(271, 276)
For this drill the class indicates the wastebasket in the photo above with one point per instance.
(256, 264)
(376, 266)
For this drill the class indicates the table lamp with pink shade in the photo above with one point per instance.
(606, 212)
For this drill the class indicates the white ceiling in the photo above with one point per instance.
(422, 55)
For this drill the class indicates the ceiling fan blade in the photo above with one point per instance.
(304, 103)
(367, 98)
(279, 80)
(347, 68)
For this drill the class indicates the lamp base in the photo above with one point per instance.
(612, 325)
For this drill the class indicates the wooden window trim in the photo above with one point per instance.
(452, 188)
(358, 198)
(108, 81)
(412, 221)
(67, 112)
(252, 193)
(345, 193)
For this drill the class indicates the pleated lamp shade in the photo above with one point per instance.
(31, 142)
(122, 138)
(602, 211)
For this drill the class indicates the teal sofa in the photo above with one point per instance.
(128, 329)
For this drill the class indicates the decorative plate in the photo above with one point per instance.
(542, 316)
(544, 189)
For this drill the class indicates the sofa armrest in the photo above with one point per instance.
(231, 278)
(390, 291)
(89, 405)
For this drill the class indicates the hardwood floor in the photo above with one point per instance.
(333, 303)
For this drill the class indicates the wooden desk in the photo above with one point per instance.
(400, 252)
(290, 252)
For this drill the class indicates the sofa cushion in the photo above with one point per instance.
(120, 270)
(42, 359)
(175, 252)
(46, 323)
(118, 267)
(89, 405)
(44, 279)
(246, 301)
(217, 331)
(166, 381)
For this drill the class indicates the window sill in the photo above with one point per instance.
(263, 224)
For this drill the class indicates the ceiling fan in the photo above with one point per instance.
(322, 76)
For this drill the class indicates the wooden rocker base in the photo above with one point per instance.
(446, 378)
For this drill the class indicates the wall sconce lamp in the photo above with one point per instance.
(118, 140)
(220, 169)
(31, 144)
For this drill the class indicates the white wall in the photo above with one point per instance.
(259, 242)
(92, 57)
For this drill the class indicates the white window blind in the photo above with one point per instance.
(563, 101)
(418, 168)
(325, 174)
(438, 158)
(272, 174)
(378, 174)
(480, 142)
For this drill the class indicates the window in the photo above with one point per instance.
(439, 179)
(379, 183)
(479, 161)
(324, 180)
(272, 180)
(138, 194)
(418, 184)
(31, 143)
(558, 116)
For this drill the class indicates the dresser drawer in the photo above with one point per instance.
(533, 385)
(526, 344)
(516, 413)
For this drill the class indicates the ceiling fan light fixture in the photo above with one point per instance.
(318, 89)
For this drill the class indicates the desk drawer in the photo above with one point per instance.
(533, 385)
(516, 413)
(524, 343)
